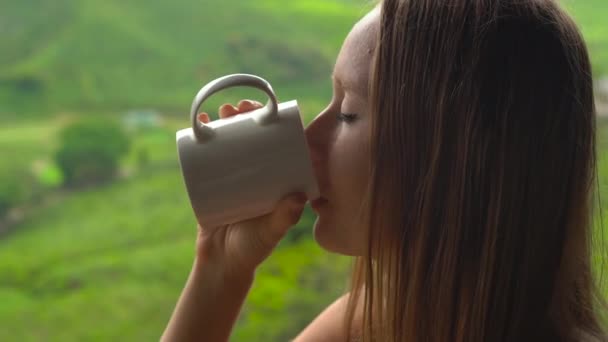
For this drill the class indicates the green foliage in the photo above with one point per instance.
(110, 55)
(292, 287)
(253, 54)
(15, 188)
(108, 263)
(50, 176)
(590, 15)
(116, 54)
(90, 151)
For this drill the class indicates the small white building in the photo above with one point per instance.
(142, 118)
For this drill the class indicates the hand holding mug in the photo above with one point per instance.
(240, 247)
(247, 176)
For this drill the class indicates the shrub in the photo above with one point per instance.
(90, 152)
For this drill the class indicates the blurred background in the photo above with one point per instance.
(96, 231)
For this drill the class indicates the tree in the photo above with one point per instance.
(90, 151)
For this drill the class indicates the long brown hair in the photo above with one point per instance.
(484, 174)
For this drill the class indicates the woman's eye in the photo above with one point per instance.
(346, 117)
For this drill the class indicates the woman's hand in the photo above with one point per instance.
(224, 268)
(237, 249)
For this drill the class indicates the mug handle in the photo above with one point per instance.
(268, 114)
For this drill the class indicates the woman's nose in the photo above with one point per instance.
(312, 132)
(316, 136)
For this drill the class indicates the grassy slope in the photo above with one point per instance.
(111, 55)
(591, 18)
(86, 267)
(75, 270)
(115, 54)
(79, 269)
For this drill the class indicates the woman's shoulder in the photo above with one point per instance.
(328, 325)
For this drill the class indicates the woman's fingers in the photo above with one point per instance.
(227, 110)
(244, 245)
(249, 105)
(203, 117)
(287, 213)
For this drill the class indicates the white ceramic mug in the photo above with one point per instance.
(240, 167)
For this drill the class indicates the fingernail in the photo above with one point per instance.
(203, 116)
(227, 106)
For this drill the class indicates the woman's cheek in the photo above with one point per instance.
(351, 171)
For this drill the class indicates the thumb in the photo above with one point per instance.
(273, 226)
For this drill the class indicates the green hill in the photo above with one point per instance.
(87, 268)
(590, 15)
(114, 55)
(109, 263)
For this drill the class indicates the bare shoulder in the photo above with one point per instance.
(328, 325)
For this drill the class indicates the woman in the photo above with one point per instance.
(457, 162)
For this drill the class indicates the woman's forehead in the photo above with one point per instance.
(354, 61)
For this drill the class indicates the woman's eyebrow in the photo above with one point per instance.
(335, 78)
(339, 82)
(347, 85)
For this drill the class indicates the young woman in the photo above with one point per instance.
(457, 163)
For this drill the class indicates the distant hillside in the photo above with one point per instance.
(106, 55)
(111, 54)
(592, 18)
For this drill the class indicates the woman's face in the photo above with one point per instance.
(338, 139)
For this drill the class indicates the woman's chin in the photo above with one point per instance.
(328, 238)
(323, 235)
